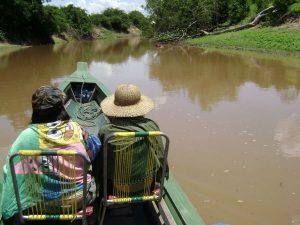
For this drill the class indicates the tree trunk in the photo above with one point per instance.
(256, 21)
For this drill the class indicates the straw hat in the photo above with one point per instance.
(127, 102)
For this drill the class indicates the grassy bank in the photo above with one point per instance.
(262, 39)
(4, 46)
(108, 34)
(98, 33)
(8, 48)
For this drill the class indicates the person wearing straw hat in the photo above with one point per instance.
(127, 102)
(125, 110)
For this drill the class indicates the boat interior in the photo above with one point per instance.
(146, 213)
(84, 92)
(83, 105)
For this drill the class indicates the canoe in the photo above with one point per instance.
(85, 93)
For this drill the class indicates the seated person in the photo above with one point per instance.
(125, 111)
(50, 128)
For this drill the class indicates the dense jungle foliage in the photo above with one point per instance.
(31, 22)
(195, 15)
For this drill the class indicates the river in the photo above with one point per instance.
(233, 118)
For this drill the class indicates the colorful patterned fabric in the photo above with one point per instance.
(59, 135)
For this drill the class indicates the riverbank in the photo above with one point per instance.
(281, 40)
(6, 48)
(98, 33)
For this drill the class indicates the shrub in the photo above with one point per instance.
(79, 20)
(294, 9)
(238, 10)
(2, 36)
(57, 17)
(136, 18)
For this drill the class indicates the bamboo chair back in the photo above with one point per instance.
(139, 168)
(49, 195)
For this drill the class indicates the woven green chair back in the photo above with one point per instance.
(134, 166)
(49, 182)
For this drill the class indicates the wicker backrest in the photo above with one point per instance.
(138, 166)
(48, 180)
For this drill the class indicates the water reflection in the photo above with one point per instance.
(287, 135)
(25, 70)
(209, 77)
(225, 106)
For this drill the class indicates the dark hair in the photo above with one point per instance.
(51, 115)
(48, 105)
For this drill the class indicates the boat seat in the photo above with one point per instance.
(133, 174)
(42, 193)
(88, 115)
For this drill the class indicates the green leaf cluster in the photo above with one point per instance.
(294, 8)
(24, 21)
(140, 21)
(170, 15)
(112, 19)
(237, 10)
(57, 18)
(119, 21)
(2, 36)
(29, 22)
(78, 20)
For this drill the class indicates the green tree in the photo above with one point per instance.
(24, 21)
(117, 18)
(137, 18)
(262, 4)
(58, 19)
(219, 10)
(140, 21)
(97, 19)
(237, 10)
(170, 15)
(100, 20)
(282, 6)
(78, 20)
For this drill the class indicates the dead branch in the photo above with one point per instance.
(171, 37)
(262, 14)
(254, 22)
(175, 35)
(184, 31)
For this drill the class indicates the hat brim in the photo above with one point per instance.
(144, 106)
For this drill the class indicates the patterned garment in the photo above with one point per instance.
(59, 135)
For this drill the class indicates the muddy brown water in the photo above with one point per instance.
(233, 119)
